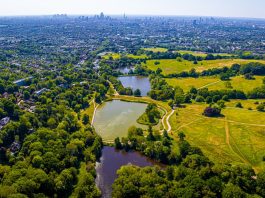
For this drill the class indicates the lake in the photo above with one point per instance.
(136, 82)
(110, 161)
(113, 118)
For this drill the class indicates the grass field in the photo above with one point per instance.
(194, 53)
(155, 49)
(202, 54)
(142, 56)
(117, 56)
(238, 137)
(170, 66)
(214, 83)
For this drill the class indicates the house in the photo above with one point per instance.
(22, 82)
(39, 92)
(15, 146)
(4, 121)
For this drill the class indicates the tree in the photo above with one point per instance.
(137, 93)
(212, 111)
(150, 136)
(199, 99)
(233, 191)
(26, 95)
(239, 105)
(228, 85)
(181, 136)
(97, 98)
(85, 119)
(249, 76)
(52, 123)
(261, 184)
(224, 76)
(117, 143)
(158, 71)
(179, 97)
(260, 107)
(2, 88)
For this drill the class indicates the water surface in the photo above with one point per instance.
(136, 82)
(114, 118)
(110, 161)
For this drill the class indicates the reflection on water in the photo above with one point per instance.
(136, 82)
(114, 118)
(110, 161)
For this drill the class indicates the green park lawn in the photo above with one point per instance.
(117, 56)
(238, 137)
(170, 66)
(156, 49)
(202, 54)
(214, 83)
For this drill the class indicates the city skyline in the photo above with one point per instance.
(217, 8)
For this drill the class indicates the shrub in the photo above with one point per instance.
(212, 111)
(239, 105)
(260, 107)
(199, 99)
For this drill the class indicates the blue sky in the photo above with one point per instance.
(226, 8)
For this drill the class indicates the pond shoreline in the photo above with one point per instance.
(112, 160)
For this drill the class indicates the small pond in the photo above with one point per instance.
(136, 82)
(113, 118)
(110, 161)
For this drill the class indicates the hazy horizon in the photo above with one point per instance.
(214, 8)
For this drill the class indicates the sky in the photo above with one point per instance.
(224, 8)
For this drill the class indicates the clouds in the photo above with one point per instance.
(234, 8)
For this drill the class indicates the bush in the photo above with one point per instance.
(260, 107)
(212, 111)
(199, 99)
(239, 105)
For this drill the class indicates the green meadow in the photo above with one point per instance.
(156, 49)
(238, 137)
(117, 56)
(170, 66)
(214, 83)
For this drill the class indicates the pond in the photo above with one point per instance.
(136, 82)
(113, 118)
(110, 161)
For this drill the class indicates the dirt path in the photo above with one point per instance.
(115, 91)
(167, 120)
(163, 118)
(209, 84)
(94, 113)
(236, 149)
(184, 125)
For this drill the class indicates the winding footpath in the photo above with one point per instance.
(94, 113)
(167, 120)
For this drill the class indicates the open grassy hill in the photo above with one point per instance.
(170, 66)
(214, 83)
(238, 137)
